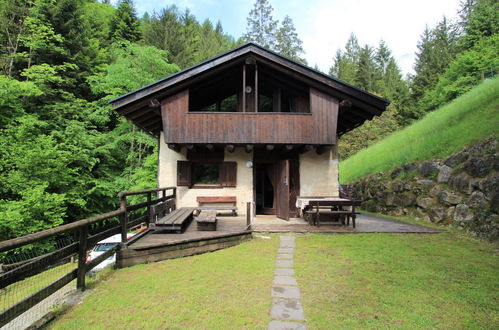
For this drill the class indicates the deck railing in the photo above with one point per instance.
(16, 298)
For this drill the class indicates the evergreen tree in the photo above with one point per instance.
(125, 25)
(364, 72)
(287, 41)
(344, 63)
(261, 27)
(436, 49)
(479, 19)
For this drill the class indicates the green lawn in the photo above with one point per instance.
(445, 281)
(407, 281)
(226, 289)
(467, 119)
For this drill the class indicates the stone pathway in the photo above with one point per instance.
(287, 310)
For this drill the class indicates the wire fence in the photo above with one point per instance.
(35, 261)
(38, 271)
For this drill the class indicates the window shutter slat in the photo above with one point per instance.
(228, 174)
(183, 173)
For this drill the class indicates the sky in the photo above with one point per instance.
(325, 25)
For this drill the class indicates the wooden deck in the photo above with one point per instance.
(232, 231)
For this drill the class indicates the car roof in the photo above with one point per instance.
(113, 239)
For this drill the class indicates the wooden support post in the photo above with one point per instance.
(123, 219)
(174, 147)
(249, 148)
(230, 148)
(82, 258)
(248, 216)
(244, 88)
(256, 87)
(149, 215)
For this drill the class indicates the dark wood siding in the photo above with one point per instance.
(316, 127)
(183, 173)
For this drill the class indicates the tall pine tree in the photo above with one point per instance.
(261, 27)
(125, 25)
(287, 41)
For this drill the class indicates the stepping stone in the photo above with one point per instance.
(279, 263)
(285, 256)
(287, 244)
(284, 280)
(283, 325)
(284, 272)
(287, 238)
(287, 309)
(284, 291)
(285, 250)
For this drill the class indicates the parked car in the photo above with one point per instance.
(103, 246)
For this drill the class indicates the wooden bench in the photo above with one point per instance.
(160, 210)
(177, 220)
(333, 208)
(207, 220)
(215, 200)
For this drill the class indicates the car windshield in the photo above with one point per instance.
(103, 247)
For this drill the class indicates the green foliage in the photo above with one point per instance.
(132, 67)
(479, 19)
(261, 27)
(288, 43)
(369, 133)
(186, 41)
(124, 24)
(464, 72)
(436, 49)
(375, 71)
(438, 135)
(14, 95)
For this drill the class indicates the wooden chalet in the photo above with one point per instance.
(249, 125)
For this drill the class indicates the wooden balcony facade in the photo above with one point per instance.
(315, 125)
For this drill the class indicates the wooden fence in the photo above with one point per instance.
(129, 216)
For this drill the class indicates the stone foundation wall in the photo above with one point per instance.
(462, 190)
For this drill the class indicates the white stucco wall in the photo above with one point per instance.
(319, 173)
(318, 176)
(186, 196)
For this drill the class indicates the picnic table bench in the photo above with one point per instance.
(334, 207)
(217, 200)
(207, 220)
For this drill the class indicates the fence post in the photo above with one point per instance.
(82, 258)
(123, 219)
(248, 216)
(149, 217)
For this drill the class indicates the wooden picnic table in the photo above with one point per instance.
(339, 208)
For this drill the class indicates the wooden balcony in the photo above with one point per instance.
(317, 127)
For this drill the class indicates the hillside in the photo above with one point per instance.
(469, 118)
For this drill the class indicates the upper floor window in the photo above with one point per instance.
(250, 87)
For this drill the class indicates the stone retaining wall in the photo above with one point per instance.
(462, 190)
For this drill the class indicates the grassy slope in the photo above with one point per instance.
(445, 281)
(226, 289)
(410, 281)
(471, 117)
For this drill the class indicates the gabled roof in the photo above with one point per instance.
(141, 106)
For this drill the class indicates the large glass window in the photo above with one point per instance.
(205, 173)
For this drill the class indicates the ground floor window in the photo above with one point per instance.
(206, 175)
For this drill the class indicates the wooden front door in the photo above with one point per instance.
(281, 170)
